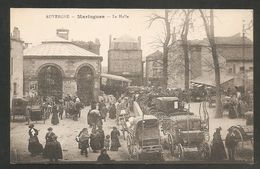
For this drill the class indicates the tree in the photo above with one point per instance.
(209, 28)
(167, 19)
(185, 47)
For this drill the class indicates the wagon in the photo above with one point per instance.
(168, 106)
(244, 135)
(186, 134)
(36, 113)
(19, 107)
(143, 139)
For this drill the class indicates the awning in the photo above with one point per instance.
(209, 80)
(115, 77)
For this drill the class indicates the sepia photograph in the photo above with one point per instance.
(126, 86)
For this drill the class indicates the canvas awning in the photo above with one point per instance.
(115, 77)
(209, 80)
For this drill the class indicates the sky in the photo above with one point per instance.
(37, 25)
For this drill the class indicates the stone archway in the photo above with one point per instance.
(50, 82)
(85, 84)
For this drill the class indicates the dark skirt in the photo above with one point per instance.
(53, 150)
(35, 147)
(218, 151)
(95, 143)
(115, 144)
(55, 119)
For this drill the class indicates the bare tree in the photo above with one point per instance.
(184, 37)
(209, 28)
(167, 19)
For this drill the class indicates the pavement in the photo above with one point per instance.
(67, 130)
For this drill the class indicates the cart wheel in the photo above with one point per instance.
(171, 145)
(204, 151)
(179, 152)
(239, 136)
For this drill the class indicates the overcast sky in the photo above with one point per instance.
(35, 27)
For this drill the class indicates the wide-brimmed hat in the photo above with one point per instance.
(50, 129)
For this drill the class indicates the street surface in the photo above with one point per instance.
(67, 130)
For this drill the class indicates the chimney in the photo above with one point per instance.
(139, 41)
(16, 33)
(110, 37)
(63, 33)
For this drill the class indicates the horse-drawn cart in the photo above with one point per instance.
(143, 139)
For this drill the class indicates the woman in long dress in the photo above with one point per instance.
(115, 144)
(94, 141)
(48, 137)
(34, 147)
(217, 149)
(55, 152)
(112, 111)
(54, 118)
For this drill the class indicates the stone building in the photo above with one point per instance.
(57, 67)
(230, 53)
(154, 68)
(125, 58)
(16, 64)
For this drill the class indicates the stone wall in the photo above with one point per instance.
(68, 67)
(16, 67)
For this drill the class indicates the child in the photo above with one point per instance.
(107, 142)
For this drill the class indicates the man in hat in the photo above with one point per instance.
(231, 143)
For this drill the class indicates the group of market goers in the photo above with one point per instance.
(96, 140)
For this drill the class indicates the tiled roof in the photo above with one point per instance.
(57, 47)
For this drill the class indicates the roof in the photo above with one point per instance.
(184, 117)
(232, 40)
(156, 55)
(115, 77)
(57, 47)
(210, 79)
(124, 38)
(146, 117)
(167, 98)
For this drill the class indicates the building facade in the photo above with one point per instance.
(16, 64)
(125, 58)
(154, 69)
(58, 67)
(230, 54)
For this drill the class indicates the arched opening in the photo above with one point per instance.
(85, 84)
(50, 82)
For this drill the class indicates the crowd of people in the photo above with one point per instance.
(93, 137)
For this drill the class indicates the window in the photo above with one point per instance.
(241, 69)
(15, 90)
(230, 70)
(250, 68)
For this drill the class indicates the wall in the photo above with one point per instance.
(68, 67)
(125, 61)
(16, 67)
